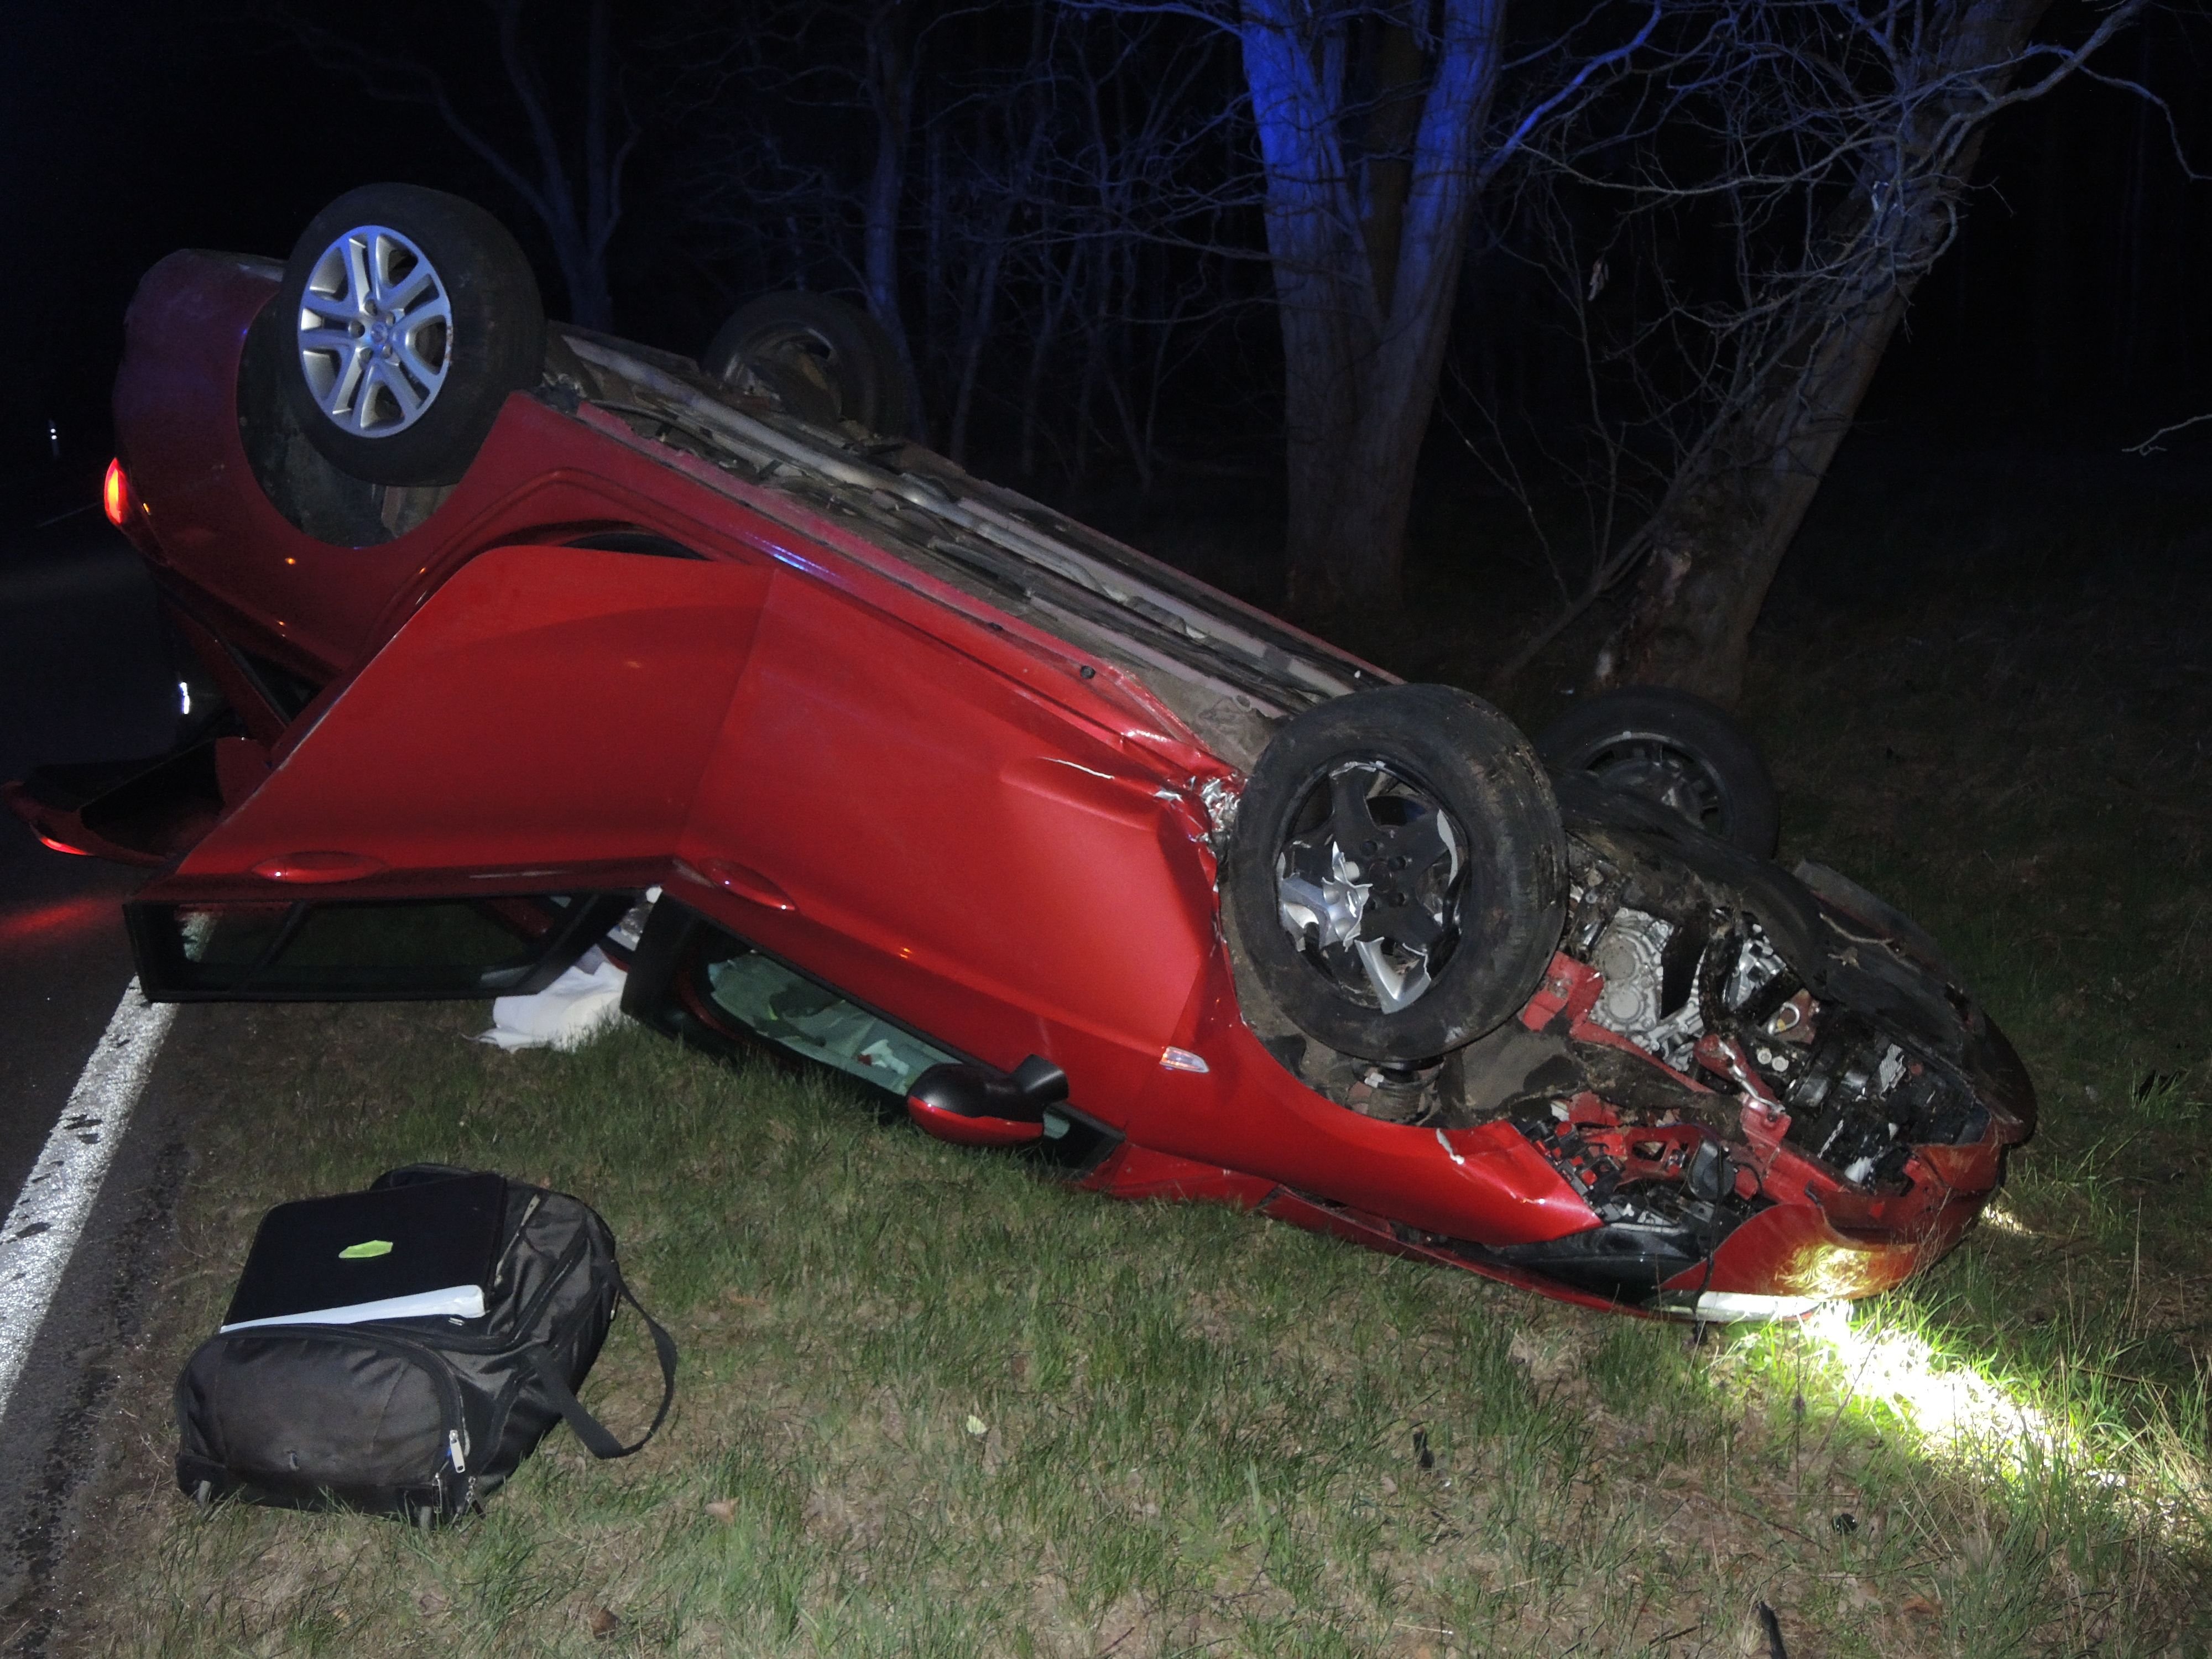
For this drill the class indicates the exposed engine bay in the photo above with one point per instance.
(1705, 1020)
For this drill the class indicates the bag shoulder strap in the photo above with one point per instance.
(597, 1438)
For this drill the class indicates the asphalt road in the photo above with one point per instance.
(85, 675)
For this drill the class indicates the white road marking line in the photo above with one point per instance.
(41, 1231)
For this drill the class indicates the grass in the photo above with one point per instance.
(932, 1404)
(1197, 1430)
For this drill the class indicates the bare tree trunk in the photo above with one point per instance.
(1737, 501)
(1353, 436)
(891, 70)
(974, 335)
(1719, 535)
(1057, 297)
(1365, 268)
(579, 239)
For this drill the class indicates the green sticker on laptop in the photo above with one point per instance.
(365, 1249)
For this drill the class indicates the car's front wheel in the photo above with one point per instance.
(1397, 872)
(410, 316)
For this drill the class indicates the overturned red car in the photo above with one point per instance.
(518, 626)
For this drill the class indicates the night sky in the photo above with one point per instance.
(134, 128)
(2073, 303)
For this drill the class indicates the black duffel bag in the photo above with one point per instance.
(420, 1417)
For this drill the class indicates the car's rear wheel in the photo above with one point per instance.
(1397, 872)
(1676, 751)
(824, 360)
(410, 316)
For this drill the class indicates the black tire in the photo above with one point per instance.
(350, 363)
(1677, 751)
(826, 360)
(1491, 914)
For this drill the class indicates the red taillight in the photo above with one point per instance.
(115, 493)
(62, 846)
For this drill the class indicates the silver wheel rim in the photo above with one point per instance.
(1372, 903)
(375, 332)
(1661, 772)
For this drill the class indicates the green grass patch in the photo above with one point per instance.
(2031, 787)
(933, 1403)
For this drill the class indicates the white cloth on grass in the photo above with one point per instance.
(566, 1014)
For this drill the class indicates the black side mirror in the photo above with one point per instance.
(982, 1106)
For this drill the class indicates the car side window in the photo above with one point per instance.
(715, 991)
(341, 950)
(794, 1012)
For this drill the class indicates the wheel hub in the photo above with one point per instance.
(1659, 773)
(375, 332)
(1369, 882)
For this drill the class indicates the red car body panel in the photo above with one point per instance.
(955, 817)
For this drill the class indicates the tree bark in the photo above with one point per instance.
(580, 240)
(1720, 533)
(1736, 503)
(891, 68)
(1364, 280)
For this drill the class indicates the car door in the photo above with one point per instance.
(482, 799)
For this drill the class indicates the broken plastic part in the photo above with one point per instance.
(1728, 1307)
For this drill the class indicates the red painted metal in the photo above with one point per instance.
(64, 832)
(1375, 1234)
(964, 1131)
(1137, 1172)
(314, 868)
(1793, 1249)
(963, 822)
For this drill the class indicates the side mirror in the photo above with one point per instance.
(982, 1106)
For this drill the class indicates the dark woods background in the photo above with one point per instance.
(1058, 206)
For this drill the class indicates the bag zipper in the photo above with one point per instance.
(499, 1273)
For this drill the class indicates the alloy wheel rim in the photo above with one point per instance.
(1370, 882)
(1654, 769)
(375, 332)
